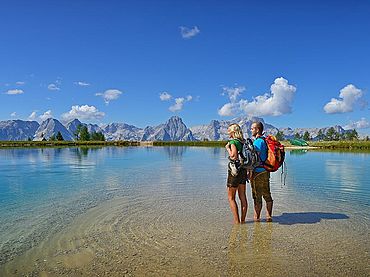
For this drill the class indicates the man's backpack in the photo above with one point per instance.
(249, 156)
(275, 154)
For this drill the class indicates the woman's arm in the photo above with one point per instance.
(233, 152)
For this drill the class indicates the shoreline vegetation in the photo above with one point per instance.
(353, 144)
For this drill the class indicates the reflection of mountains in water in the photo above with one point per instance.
(175, 152)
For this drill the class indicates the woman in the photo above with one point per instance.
(236, 183)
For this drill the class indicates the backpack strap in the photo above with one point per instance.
(241, 145)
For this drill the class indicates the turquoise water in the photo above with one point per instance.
(153, 210)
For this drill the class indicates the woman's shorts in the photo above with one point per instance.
(239, 179)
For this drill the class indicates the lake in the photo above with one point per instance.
(158, 211)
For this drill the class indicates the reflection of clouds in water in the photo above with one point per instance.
(343, 172)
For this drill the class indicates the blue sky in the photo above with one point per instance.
(294, 63)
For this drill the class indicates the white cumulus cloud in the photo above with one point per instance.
(20, 83)
(32, 116)
(53, 87)
(109, 95)
(233, 93)
(165, 96)
(275, 103)
(83, 112)
(14, 91)
(82, 84)
(349, 96)
(46, 115)
(179, 103)
(363, 123)
(188, 33)
(13, 114)
(228, 109)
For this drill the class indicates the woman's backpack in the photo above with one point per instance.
(249, 156)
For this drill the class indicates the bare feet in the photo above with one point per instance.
(256, 219)
(268, 219)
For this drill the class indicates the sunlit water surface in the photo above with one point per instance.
(163, 211)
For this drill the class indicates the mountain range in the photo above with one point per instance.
(172, 130)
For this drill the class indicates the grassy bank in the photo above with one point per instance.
(365, 145)
(190, 143)
(350, 144)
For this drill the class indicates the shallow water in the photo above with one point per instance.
(163, 211)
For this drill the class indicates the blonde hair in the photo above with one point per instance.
(238, 133)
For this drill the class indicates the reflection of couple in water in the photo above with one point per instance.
(259, 177)
(250, 251)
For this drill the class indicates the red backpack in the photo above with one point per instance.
(275, 154)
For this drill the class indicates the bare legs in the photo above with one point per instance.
(269, 211)
(260, 184)
(257, 211)
(243, 202)
(231, 193)
(258, 208)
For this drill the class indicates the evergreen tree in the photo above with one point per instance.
(306, 136)
(59, 136)
(320, 135)
(297, 135)
(280, 135)
(99, 136)
(29, 139)
(84, 134)
(77, 132)
(52, 137)
(355, 134)
(337, 136)
(331, 134)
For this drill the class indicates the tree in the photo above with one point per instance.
(355, 134)
(97, 136)
(297, 135)
(29, 139)
(320, 135)
(52, 137)
(59, 136)
(331, 134)
(84, 134)
(77, 132)
(280, 135)
(351, 135)
(306, 136)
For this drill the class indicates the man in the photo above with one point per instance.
(260, 179)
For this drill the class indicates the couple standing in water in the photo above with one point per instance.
(259, 177)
